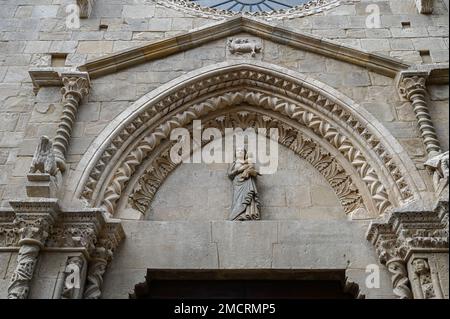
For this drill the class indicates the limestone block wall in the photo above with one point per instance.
(303, 244)
(30, 30)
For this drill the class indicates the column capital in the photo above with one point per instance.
(33, 220)
(75, 83)
(412, 82)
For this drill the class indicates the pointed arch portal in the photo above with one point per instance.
(361, 160)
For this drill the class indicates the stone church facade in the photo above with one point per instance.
(92, 203)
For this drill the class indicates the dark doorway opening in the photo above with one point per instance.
(248, 284)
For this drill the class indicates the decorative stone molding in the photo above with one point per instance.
(311, 120)
(351, 200)
(309, 8)
(402, 234)
(233, 27)
(85, 7)
(412, 86)
(425, 6)
(76, 87)
(310, 106)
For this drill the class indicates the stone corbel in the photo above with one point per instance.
(76, 86)
(425, 6)
(33, 222)
(85, 8)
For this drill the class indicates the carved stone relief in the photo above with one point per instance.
(351, 200)
(241, 46)
(314, 120)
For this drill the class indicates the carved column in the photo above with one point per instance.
(97, 268)
(391, 253)
(33, 221)
(76, 87)
(74, 272)
(413, 88)
(102, 255)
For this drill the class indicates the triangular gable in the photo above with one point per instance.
(159, 49)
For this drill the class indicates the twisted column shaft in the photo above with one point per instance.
(76, 87)
(413, 88)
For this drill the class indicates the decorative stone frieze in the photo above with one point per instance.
(404, 233)
(425, 6)
(351, 200)
(85, 7)
(75, 87)
(412, 86)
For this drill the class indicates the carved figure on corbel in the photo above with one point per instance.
(423, 279)
(44, 177)
(76, 87)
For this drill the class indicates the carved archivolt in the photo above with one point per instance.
(326, 116)
(311, 7)
(323, 161)
(312, 121)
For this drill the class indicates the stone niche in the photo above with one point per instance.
(204, 192)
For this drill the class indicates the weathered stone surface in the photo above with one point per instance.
(304, 224)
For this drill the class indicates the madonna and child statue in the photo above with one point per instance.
(243, 173)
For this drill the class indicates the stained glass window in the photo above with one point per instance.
(250, 5)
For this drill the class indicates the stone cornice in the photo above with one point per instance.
(112, 63)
